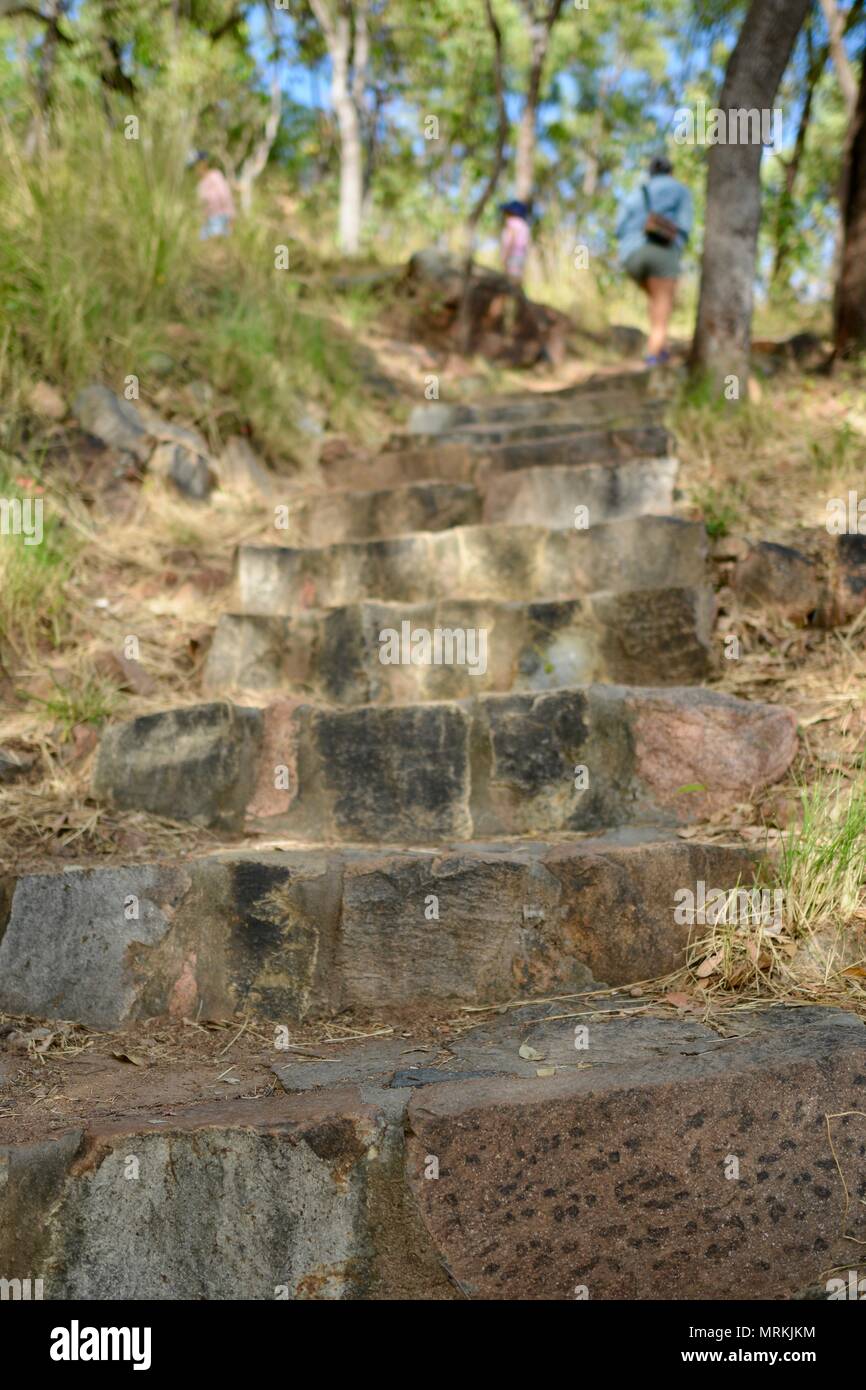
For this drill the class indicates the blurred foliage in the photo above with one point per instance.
(196, 75)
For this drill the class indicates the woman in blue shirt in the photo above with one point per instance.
(653, 228)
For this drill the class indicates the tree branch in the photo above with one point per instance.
(844, 71)
(11, 9)
(230, 24)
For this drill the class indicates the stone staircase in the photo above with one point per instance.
(493, 821)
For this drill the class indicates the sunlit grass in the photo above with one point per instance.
(33, 577)
(101, 265)
(823, 866)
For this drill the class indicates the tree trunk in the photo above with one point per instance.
(347, 37)
(757, 64)
(351, 172)
(489, 188)
(785, 215)
(464, 322)
(850, 329)
(844, 71)
(540, 26)
(42, 69)
(258, 156)
(592, 155)
(351, 154)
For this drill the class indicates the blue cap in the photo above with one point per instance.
(515, 208)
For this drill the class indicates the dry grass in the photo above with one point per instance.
(160, 573)
(767, 467)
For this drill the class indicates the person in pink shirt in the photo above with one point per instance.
(215, 199)
(516, 239)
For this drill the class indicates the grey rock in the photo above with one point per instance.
(241, 470)
(322, 518)
(595, 432)
(613, 1167)
(13, 766)
(73, 941)
(777, 577)
(195, 763)
(258, 1199)
(501, 764)
(431, 418)
(467, 459)
(113, 420)
(190, 472)
(550, 495)
(520, 416)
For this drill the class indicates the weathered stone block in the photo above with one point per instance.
(571, 405)
(325, 518)
(476, 562)
(195, 763)
(615, 1181)
(529, 763)
(702, 747)
(188, 471)
(462, 460)
(657, 637)
(114, 421)
(393, 773)
(550, 496)
(255, 1199)
(776, 576)
(73, 940)
(533, 432)
(283, 935)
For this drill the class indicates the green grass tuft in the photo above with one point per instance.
(823, 866)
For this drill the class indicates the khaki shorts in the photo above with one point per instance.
(656, 260)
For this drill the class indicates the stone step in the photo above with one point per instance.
(540, 496)
(481, 435)
(646, 1158)
(637, 386)
(640, 383)
(439, 417)
(464, 461)
(287, 934)
(326, 517)
(674, 1164)
(505, 562)
(578, 759)
(550, 495)
(362, 653)
(244, 1198)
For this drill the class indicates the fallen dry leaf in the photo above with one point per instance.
(708, 966)
(683, 1001)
